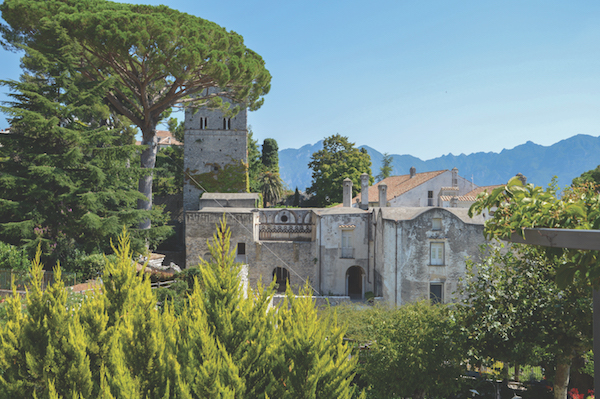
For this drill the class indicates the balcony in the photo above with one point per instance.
(347, 253)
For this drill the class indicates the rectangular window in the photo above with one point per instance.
(429, 198)
(241, 248)
(437, 253)
(436, 292)
(226, 123)
(241, 253)
(347, 249)
(436, 224)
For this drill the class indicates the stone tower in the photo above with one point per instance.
(215, 154)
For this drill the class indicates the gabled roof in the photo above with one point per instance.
(398, 185)
(164, 138)
(475, 192)
(411, 213)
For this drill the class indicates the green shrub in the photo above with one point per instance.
(12, 257)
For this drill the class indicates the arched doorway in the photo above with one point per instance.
(281, 277)
(355, 285)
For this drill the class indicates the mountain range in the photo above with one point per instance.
(566, 160)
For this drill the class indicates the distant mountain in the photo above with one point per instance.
(566, 160)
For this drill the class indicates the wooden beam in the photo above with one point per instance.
(573, 239)
(560, 238)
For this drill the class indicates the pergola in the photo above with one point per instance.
(572, 239)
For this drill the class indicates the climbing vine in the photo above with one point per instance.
(230, 178)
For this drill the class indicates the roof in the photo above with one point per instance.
(230, 196)
(410, 213)
(398, 185)
(221, 210)
(475, 192)
(337, 210)
(164, 138)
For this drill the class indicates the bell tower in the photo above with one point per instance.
(215, 155)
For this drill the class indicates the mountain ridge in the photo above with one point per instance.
(566, 159)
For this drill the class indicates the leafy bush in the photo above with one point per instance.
(12, 257)
(416, 351)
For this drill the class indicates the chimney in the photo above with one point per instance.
(347, 193)
(454, 202)
(413, 171)
(522, 178)
(382, 195)
(455, 177)
(364, 191)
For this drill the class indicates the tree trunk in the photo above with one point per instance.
(561, 380)
(148, 160)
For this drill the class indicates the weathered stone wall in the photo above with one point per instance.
(295, 256)
(407, 276)
(298, 257)
(201, 225)
(333, 264)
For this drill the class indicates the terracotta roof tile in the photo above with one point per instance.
(475, 192)
(164, 138)
(461, 198)
(398, 185)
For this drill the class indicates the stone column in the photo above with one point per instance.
(382, 195)
(347, 193)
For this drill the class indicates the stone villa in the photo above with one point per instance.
(404, 239)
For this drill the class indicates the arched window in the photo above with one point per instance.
(354, 282)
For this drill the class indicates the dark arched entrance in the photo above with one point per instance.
(281, 277)
(355, 282)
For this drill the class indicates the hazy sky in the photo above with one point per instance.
(425, 78)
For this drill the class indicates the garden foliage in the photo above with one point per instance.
(513, 311)
(68, 175)
(339, 159)
(226, 341)
(412, 351)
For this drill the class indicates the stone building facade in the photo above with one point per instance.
(399, 254)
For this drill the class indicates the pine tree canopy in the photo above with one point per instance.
(151, 58)
(68, 166)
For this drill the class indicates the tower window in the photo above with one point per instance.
(203, 122)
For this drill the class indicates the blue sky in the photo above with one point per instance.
(425, 78)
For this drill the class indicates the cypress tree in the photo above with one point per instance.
(228, 342)
(48, 357)
(270, 155)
